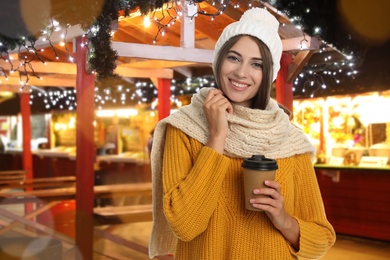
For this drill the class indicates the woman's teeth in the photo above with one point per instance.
(238, 85)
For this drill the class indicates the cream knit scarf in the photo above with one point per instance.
(251, 131)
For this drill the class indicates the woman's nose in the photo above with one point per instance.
(241, 71)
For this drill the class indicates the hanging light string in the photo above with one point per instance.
(51, 29)
(141, 92)
(221, 8)
(70, 56)
(170, 12)
(27, 53)
(7, 59)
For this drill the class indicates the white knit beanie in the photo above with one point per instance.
(258, 23)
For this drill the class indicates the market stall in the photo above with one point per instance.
(352, 135)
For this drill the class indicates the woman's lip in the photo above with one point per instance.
(232, 81)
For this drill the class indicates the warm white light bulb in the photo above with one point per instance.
(146, 21)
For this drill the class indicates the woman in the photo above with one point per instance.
(199, 208)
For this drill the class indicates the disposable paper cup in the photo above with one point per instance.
(257, 169)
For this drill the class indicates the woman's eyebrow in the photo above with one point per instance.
(235, 52)
(238, 54)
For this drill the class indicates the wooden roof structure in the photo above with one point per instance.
(184, 51)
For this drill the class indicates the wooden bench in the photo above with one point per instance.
(12, 175)
(123, 214)
(101, 191)
(103, 216)
(38, 183)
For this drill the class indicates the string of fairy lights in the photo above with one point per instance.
(27, 53)
(315, 79)
(142, 93)
(310, 81)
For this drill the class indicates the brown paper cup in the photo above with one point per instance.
(254, 179)
(257, 169)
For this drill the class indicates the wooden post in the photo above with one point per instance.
(26, 154)
(85, 158)
(187, 29)
(26, 125)
(284, 92)
(48, 120)
(164, 99)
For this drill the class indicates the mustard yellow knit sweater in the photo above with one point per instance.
(204, 206)
(197, 194)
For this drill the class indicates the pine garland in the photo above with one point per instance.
(103, 59)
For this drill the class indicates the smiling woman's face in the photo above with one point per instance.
(241, 72)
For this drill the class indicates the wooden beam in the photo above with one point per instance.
(143, 73)
(13, 88)
(331, 56)
(62, 35)
(70, 68)
(47, 67)
(289, 30)
(12, 83)
(136, 50)
(301, 43)
(298, 63)
(214, 29)
(46, 81)
(157, 64)
(187, 72)
(133, 30)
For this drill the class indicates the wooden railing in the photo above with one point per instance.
(13, 190)
(6, 176)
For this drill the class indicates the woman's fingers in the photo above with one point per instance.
(215, 100)
(215, 107)
(272, 196)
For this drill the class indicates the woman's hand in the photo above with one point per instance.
(215, 107)
(273, 205)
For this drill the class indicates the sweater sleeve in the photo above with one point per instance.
(316, 233)
(192, 179)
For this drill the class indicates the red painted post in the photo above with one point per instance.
(26, 125)
(164, 98)
(26, 154)
(85, 147)
(284, 92)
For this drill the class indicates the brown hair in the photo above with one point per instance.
(260, 101)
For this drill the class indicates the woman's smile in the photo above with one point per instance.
(239, 85)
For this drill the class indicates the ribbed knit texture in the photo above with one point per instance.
(198, 195)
